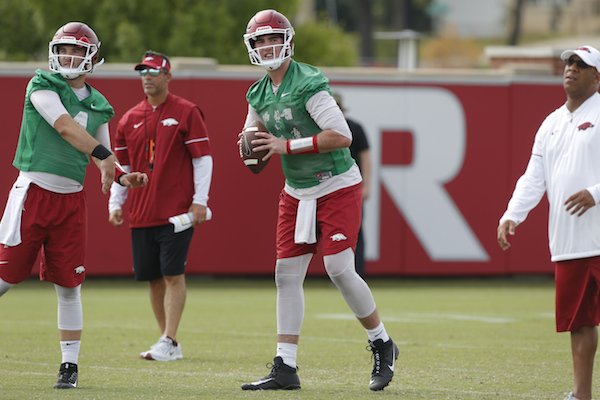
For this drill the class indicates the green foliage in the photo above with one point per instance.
(21, 27)
(179, 28)
(199, 28)
(329, 45)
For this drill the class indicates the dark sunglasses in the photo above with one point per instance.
(149, 71)
(578, 62)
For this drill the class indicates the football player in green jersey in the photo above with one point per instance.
(65, 121)
(321, 199)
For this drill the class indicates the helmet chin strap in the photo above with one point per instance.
(75, 75)
(273, 65)
(71, 76)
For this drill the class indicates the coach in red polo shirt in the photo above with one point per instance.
(165, 136)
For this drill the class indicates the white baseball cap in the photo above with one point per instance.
(588, 54)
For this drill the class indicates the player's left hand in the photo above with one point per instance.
(579, 203)
(269, 142)
(134, 180)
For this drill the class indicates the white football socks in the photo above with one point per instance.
(287, 351)
(70, 350)
(378, 332)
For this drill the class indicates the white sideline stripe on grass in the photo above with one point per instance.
(27, 373)
(428, 318)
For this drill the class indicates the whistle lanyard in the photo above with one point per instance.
(151, 136)
(150, 148)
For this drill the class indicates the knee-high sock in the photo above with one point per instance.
(70, 311)
(356, 292)
(289, 278)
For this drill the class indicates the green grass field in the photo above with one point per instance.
(459, 339)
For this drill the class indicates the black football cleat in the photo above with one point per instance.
(282, 377)
(385, 355)
(67, 376)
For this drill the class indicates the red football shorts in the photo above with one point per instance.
(338, 222)
(56, 224)
(577, 293)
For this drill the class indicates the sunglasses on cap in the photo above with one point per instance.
(149, 71)
(578, 62)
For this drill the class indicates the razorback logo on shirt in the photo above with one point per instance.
(585, 125)
(169, 122)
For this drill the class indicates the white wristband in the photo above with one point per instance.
(302, 145)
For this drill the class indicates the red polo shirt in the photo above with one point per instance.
(162, 143)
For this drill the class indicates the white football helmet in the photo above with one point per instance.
(78, 34)
(269, 22)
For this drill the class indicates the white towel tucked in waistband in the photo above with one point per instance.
(306, 222)
(10, 226)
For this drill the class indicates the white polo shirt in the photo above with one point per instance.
(565, 159)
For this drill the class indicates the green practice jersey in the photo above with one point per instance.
(40, 147)
(284, 115)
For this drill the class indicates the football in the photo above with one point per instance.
(253, 160)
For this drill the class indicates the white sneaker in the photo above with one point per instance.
(163, 350)
(571, 396)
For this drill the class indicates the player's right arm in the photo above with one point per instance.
(79, 138)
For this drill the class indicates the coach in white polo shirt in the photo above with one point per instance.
(565, 164)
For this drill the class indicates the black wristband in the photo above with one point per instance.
(101, 152)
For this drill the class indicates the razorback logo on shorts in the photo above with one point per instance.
(80, 269)
(585, 125)
(338, 237)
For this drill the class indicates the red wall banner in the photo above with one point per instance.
(446, 151)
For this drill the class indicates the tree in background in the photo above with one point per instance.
(21, 31)
(341, 30)
(364, 17)
(516, 13)
(180, 28)
(327, 44)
